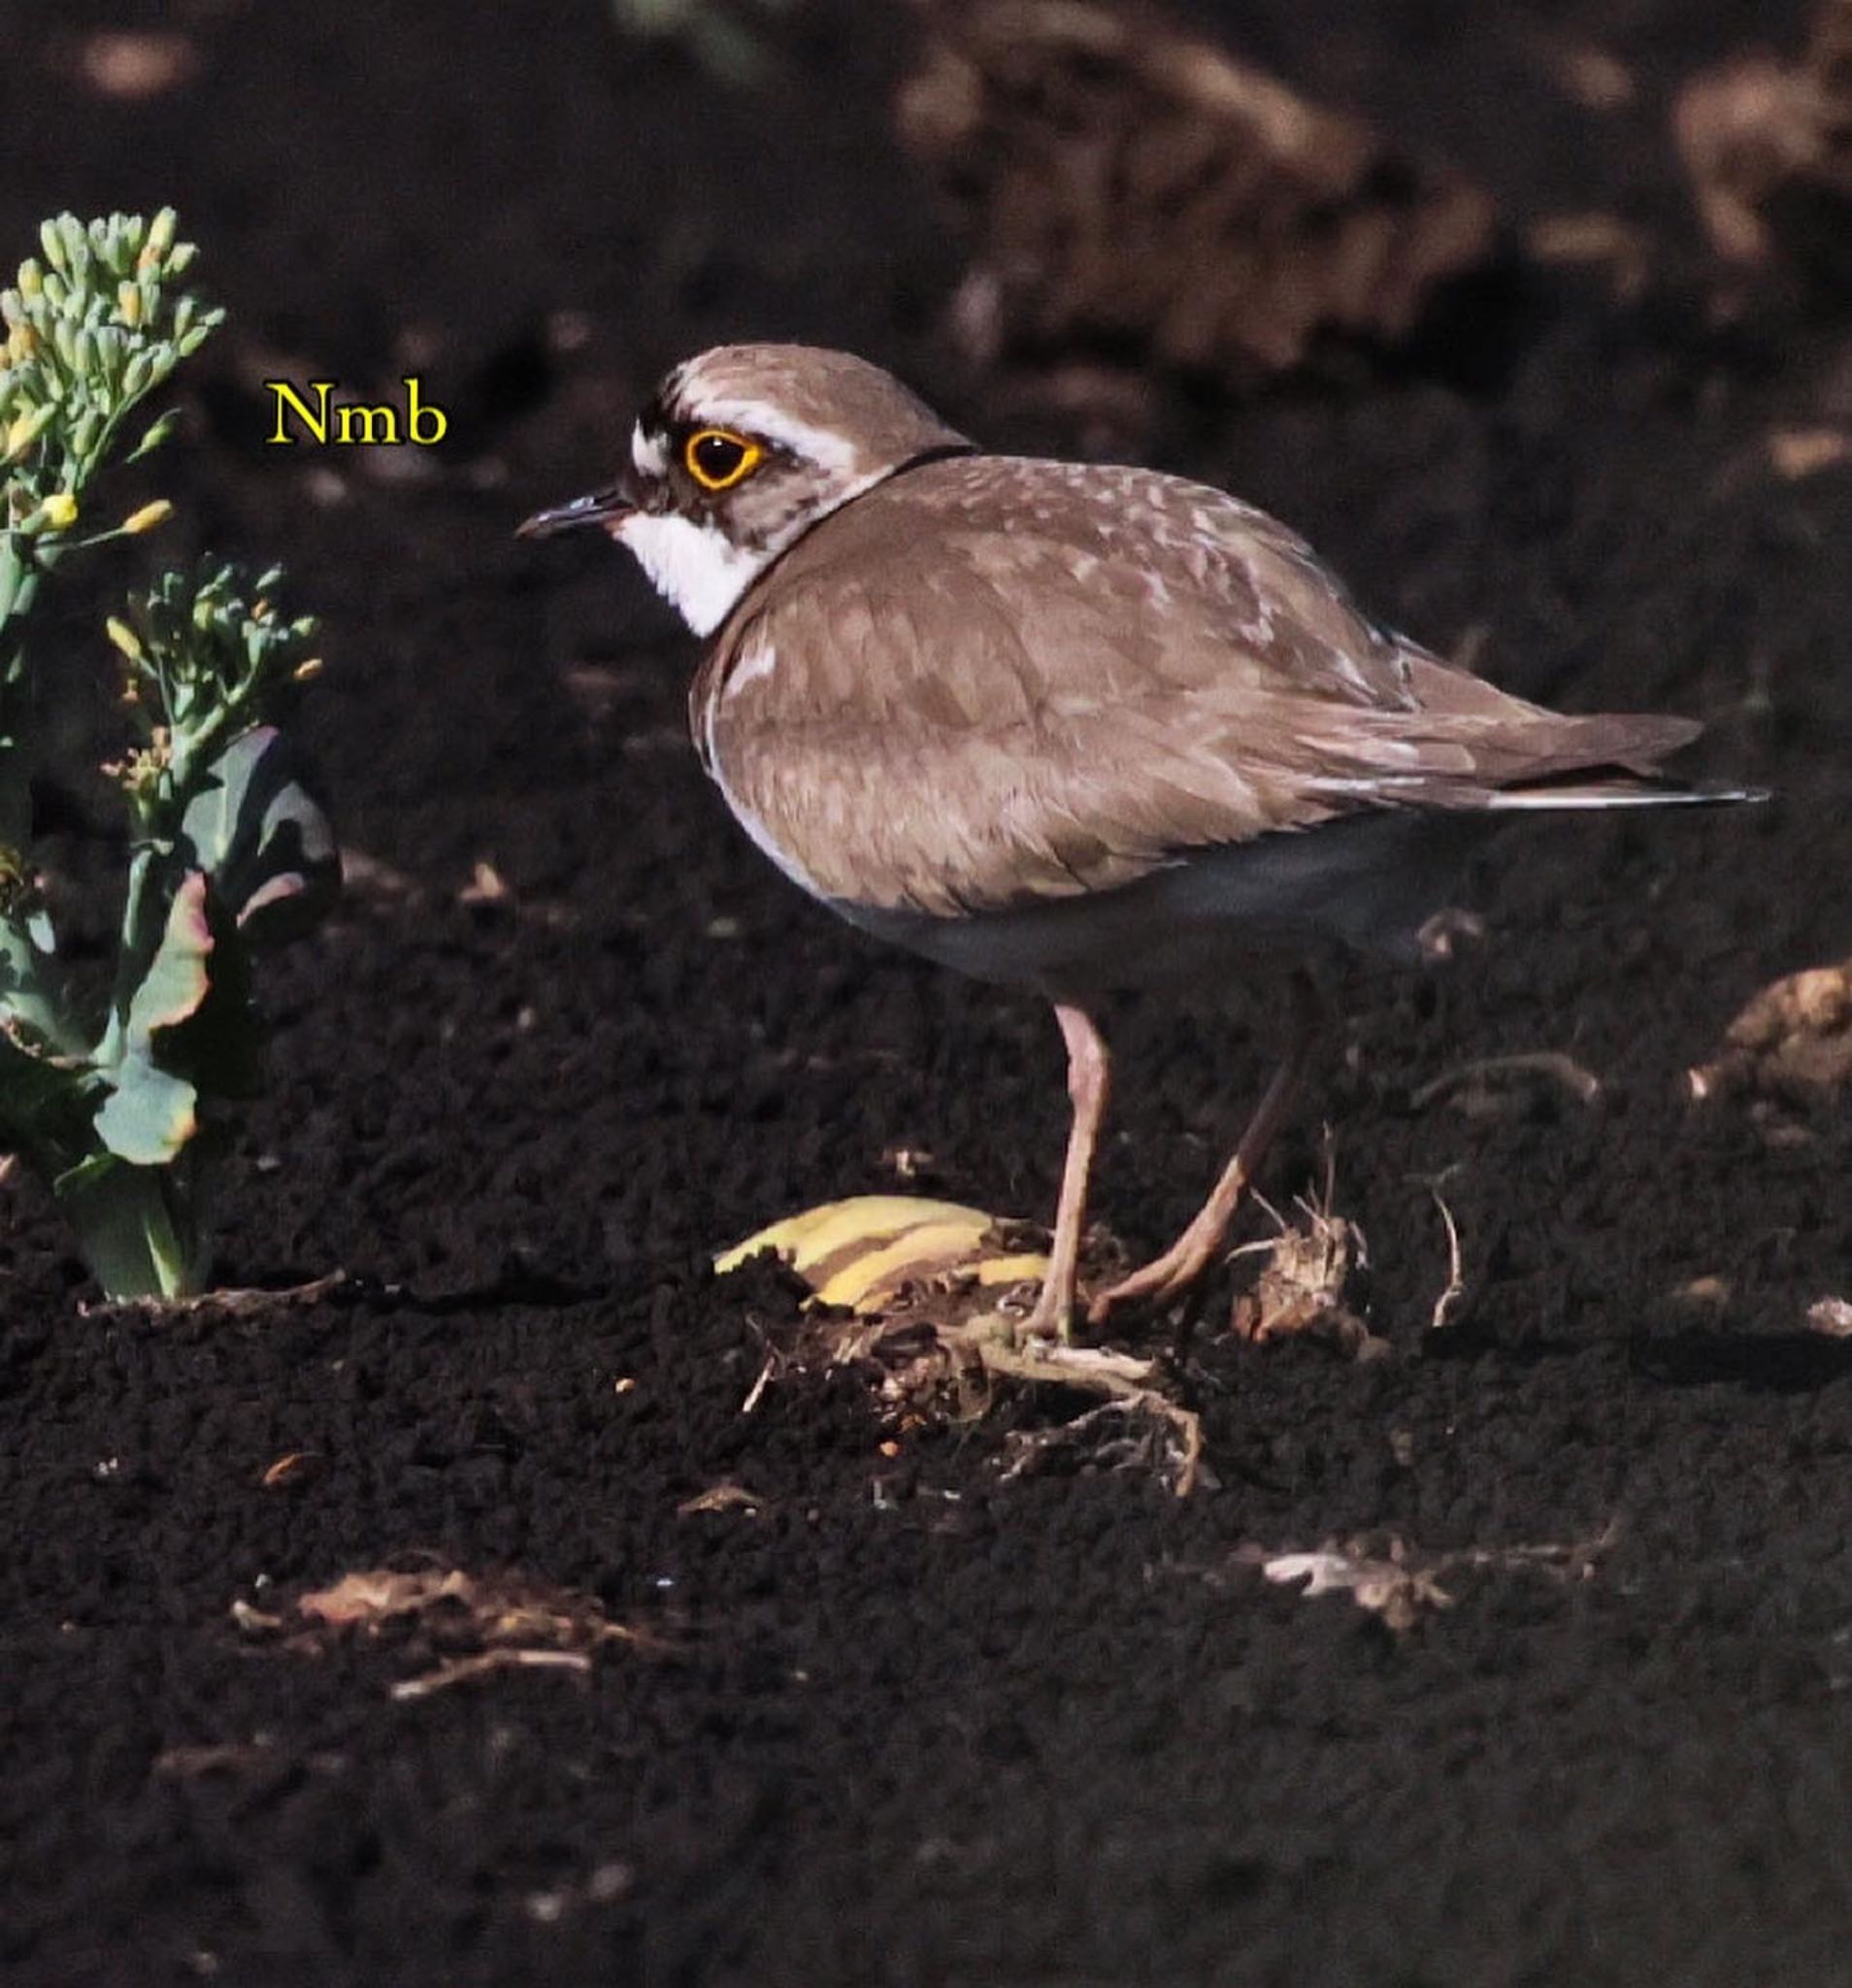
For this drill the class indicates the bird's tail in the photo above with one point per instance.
(1623, 791)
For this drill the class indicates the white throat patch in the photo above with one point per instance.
(696, 567)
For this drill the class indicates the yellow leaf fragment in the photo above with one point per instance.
(859, 1252)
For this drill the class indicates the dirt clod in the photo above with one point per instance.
(1792, 1040)
(1127, 180)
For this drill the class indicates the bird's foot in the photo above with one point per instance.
(1051, 1322)
(1163, 1279)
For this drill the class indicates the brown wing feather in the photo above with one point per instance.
(991, 680)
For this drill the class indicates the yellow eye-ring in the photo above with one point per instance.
(717, 458)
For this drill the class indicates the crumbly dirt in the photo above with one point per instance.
(918, 1714)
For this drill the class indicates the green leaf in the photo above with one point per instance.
(189, 1032)
(178, 979)
(258, 832)
(149, 1114)
(152, 1111)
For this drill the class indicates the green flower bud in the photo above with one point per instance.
(156, 433)
(160, 233)
(87, 433)
(52, 243)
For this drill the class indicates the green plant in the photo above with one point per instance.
(108, 1091)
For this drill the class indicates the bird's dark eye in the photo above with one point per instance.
(717, 458)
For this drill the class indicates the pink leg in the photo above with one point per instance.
(1089, 1080)
(1179, 1267)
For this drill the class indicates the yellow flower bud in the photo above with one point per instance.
(148, 517)
(308, 669)
(124, 638)
(60, 509)
(26, 429)
(128, 304)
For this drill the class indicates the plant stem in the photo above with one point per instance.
(18, 582)
(132, 954)
(141, 1230)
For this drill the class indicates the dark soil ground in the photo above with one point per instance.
(906, 1718)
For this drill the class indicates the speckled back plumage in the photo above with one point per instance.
(988, 681)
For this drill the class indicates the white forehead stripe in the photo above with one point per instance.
(648, 453)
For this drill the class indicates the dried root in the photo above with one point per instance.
(1306, 1266)
(455, 1626)
(1401, 1583)
(927, 1303)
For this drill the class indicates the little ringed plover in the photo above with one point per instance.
(1063, 726)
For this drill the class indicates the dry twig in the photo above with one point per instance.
(1455, 1287)
(1473, 1081)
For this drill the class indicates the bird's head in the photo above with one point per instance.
(738, 453)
